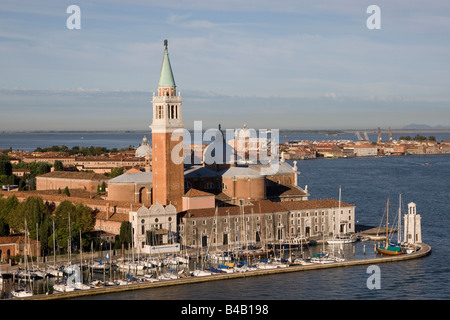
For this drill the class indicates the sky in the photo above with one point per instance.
(285, 64)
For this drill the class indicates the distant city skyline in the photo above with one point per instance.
(270, 64)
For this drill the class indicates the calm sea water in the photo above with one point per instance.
(366, 183)
(31, 141)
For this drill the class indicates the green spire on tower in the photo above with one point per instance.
(166, 78)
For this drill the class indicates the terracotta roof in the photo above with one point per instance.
(16, 239)
(117, 217)
(281, 190)
(197, 193)
(293, 191)
(313, 204)
(223, 196)
(62, 197)
(74, 175)
(265, 206)
(254, 207)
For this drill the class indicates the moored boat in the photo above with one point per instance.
(391, 249)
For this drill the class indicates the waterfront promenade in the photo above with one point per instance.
(424, 250)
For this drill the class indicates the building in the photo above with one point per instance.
(18, 245)
(132, 186)
(154, 229)
(168, 166)
(225, 197)
(55, 180)
(412, 225)
(197, 199)
(264, 221)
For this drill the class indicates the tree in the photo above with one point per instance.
(33, 210)
(22, 184)
(4, 228)
(7, 207)
(81, 220)
(419, 137)
(58, 165)
(5, 167)
(66, 191)
(125, 234)
(116, 172)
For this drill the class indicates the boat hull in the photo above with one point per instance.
(389, 252)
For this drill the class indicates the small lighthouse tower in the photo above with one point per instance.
(412, 225)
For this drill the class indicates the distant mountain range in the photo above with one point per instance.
(424, 127)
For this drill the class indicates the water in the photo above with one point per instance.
(30, 141)
(366, 183)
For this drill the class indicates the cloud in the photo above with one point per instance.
(293, 62)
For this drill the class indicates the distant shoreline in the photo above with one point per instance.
(324, 131)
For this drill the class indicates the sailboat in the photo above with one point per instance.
(389, 248)
(22, 292)
(341, 238)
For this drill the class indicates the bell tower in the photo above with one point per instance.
(167, 162)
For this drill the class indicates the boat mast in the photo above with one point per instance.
(339, 212)
(54, 246)
(387, 223)
(399, 218)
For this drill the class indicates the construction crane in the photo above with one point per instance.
(358, 135)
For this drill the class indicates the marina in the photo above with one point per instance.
(152, 273)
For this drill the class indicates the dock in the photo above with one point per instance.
(423, 251)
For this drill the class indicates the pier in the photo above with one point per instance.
(423, 251)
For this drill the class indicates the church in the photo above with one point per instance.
(180, 201)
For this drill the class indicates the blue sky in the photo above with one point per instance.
(272, 64)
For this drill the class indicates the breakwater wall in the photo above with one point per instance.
(424, 250)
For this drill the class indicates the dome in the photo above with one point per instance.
(144, 150)
(244, 132)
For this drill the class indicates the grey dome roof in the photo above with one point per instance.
(144, 150)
